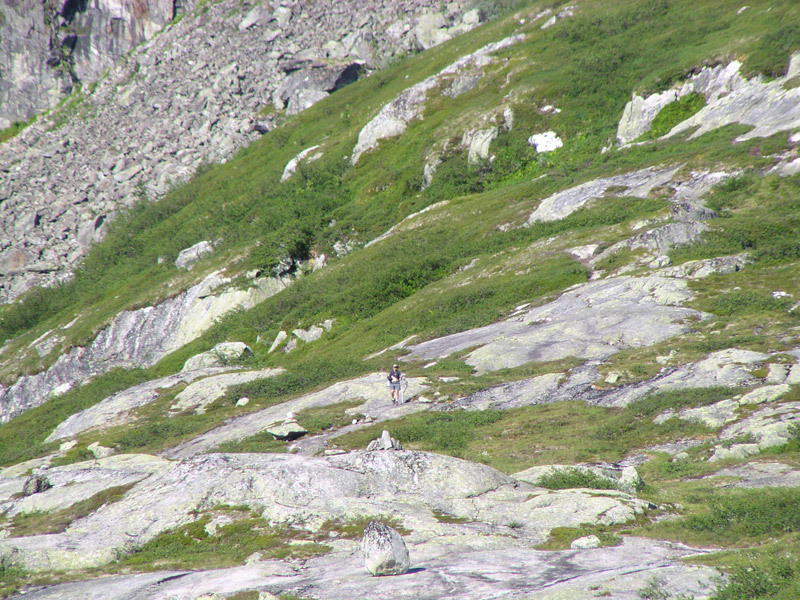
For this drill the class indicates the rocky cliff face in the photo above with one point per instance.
(28, 84)
(47, 47)
(189, 96)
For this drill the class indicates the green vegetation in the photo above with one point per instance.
(22, 438)
(748, 514)
(769, 573)
(674, 113)
(260, 442)
(323, 418)
(758, 215)
(353, 528)
(11, 577)
(561, 537)
(770, 54)
(444, 517)
(512, 440)
(727, 518)
(14, 129)
(192, 546)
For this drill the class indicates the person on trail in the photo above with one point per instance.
(394, 377)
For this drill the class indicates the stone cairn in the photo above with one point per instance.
(385, 442)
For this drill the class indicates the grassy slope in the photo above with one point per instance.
(587, 66)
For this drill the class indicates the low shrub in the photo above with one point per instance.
(763, 577)
(749, 514)
(562, 479)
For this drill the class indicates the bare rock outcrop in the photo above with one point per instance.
(344, 486)
(451, 569)
(135, 339)
(593, 321)
(766, 105)
(392, 120)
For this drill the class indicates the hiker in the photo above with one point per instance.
(394, 378)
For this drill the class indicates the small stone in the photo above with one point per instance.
(243, 401)
(589, 541)
(385, 552)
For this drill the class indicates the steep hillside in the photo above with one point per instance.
(575, 227)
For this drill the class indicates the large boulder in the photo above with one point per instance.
(314, 81)
(385, 552)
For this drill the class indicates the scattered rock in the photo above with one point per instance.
(177, 101)
(282, 335)
(311, 334)
(385, 552)
(584, 253)
(630, 481)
